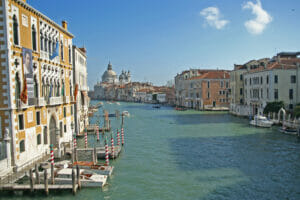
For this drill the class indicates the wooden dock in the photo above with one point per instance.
(21, 187)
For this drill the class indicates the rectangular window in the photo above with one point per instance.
(291, 106)
(208, 95)
(222, 84)
(241, 77)
(267, 79)
(65, 113)
(267, 93)
(38, 139)
(275, 79)
(208, 84)
(227, 85)
(71, 110)
(261, 93)
(220, 92)
(21, 122)
(241, 91)
(276, 94)
(65, 128)
(261, 80)
(291, 93)
(38, 118)
(293, 79)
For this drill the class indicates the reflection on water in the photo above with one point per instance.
(196, 155)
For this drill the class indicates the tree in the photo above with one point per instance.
(297, 110)
(273, 107)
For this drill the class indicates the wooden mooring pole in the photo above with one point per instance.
(78, 176)
(73, 182)
(46, 182)
(37, 175)
(31, 180)
(52, 174)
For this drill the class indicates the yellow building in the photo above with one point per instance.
(36, 85)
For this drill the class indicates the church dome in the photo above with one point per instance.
(109, 75)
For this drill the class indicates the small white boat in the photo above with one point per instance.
(87, 179)
(126, 113)
(261, 121)
(289, 131)
(118, 103)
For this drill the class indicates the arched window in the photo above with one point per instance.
(15, 30)
(18, 86)
(62, 50)
(70, 88)
(33, 35)
(42, 41)
(46, 43)
(36, 90)
(22, 146)
(50, 46)
(58, 89)
(70, 54)
(63, 89)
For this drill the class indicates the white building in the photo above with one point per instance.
(80, 81)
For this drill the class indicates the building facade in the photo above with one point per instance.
(277, 80)
(36, 85)
(80, 82)
(203, 89)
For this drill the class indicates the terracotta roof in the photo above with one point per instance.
(213, 75)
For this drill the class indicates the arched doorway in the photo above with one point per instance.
(52, 128)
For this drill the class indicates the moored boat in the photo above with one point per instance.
(261, 121)
(98, 169)
(87, 178)
(289, 131)
(180, 108)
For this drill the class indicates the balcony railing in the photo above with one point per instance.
(39, 102)
(66, 99)
(54, 101)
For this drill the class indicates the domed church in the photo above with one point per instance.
(110, 76)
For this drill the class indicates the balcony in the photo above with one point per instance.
(66, 99)
(54, 101)
(39, 102)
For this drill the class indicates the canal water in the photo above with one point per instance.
(172, 155)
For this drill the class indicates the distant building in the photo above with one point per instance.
(105, 88)
(203, 89)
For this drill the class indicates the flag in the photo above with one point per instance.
(50, 93)
(55, 52)
(23, 95)
(76, 91)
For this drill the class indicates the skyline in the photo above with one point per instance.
(156, 40)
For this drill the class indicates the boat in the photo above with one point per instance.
(156, 106)
(96, 168)
(125, 113)
(180, 108)
(87, 178)
(287, 130)
(261, 121)
(118, 103)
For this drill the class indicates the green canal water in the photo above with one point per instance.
(172, 155)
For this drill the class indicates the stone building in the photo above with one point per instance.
(36, 85)
(80, 81)
(275, 80)
(202, 89)
(106, 89)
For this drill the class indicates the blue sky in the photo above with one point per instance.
(156, 39)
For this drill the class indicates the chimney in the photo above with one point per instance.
(64, 24)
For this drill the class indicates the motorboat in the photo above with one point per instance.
(180, 108)
(87, 178)
(261, 121)
(156, 106)
(125, 113)
(287, 130)
(96, 168)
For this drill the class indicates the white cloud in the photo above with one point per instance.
(213, 17)
(256, 26)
